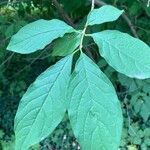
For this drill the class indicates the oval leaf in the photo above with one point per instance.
(94, 110)
(43, 105)
(37, 35)
(66, 45)
(104, 14)
(124, 53)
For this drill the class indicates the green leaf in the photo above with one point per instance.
(94, 110)
(124, 53)
(129, 83)
(66, 45)
(37, 35)
(10, 31)
(104, 14)
(145, 109)
(147, 132)
(43, 106)
(141, 105)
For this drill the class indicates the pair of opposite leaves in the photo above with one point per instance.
(87, 94)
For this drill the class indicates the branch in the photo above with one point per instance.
(124, 16)
(85, 28)
(148, 3)
(93, 4)
(128, 21)
(62, 13)
(99, 3)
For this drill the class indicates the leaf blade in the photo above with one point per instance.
(103, 14)
(124, 53)
(88, 110)
(43, 106)
(37, 35)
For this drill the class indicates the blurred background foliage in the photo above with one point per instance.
(17, 71)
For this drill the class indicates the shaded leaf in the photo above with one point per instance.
(66, 45)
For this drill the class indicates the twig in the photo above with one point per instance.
(115, 2)
(124, 16)
(8, 3)
(93, 4)
(128, 21)
(82, 37)
(3, 63)
(3, 3)
(148, 3)
(69, 21)
(99, 3)
(147, 31)
(63, 14)
(85, 27)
